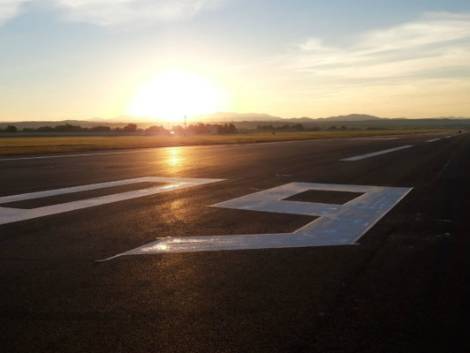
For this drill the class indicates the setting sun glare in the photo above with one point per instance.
(172, 95)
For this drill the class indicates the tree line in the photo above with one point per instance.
(192, 129)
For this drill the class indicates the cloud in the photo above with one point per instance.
(9, 9)
(116, 12)
(314, 45)
(432, 45)
(433, 28)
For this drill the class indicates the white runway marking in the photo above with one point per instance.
(10, 215)
(434, 140)
(337, 225)
(374, 154)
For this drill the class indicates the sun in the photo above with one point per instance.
(173, 95)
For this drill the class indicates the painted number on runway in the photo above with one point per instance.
(336, 225)
(10, 215)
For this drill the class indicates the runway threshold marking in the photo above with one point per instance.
(374, 154)
(337, 224)
(10, 215)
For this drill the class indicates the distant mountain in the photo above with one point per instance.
(352, 117)
(228, 117)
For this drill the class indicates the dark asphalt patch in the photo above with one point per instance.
(333, 197)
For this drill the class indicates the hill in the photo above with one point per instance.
(352, 117)
(230, 117)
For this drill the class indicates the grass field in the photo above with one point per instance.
(10, 146)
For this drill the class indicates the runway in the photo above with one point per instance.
(354, 245)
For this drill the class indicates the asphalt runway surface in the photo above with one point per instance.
(403, 287)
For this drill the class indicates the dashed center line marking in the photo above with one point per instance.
(434, 140)
(152, 149)
(374, 154)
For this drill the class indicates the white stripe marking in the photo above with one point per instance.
(337, 225)
(374, 154)
(11, 215)
(434, 140)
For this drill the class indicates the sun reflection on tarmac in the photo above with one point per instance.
(175, 158)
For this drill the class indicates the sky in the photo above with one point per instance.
(106, 59)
